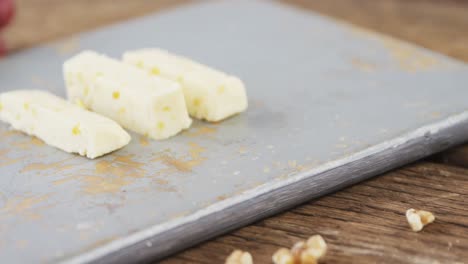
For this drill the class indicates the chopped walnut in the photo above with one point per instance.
(283, 256)
(316, 246)
(239, 257)
(417, 219)
(310, 251)
(303, 252)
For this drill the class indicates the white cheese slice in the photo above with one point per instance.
(60, 123)
(146, 104)
(210, 94)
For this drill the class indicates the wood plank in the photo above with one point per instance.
(455, 156)
(365, 223)
(438, 25)
(57, 18)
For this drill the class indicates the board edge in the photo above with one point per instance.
(160, 241)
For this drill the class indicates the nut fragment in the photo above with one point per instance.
(303, 252)
(283, 256)
(316, 246)
(239, 257)
(417, 219)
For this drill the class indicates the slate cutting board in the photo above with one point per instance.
(330, 105)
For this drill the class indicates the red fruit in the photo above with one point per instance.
(7, 10)
(3, 49)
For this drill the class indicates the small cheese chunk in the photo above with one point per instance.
(146, 104)
(210, 94)
(60, 123)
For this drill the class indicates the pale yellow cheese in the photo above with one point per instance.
(210, 94)
(146, 104)
(61, 124)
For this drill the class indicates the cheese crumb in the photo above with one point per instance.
(239, 257)
(26, 106)
(80, 103)
(221, 89)
(161, 125)
(80, 78)
(76, 130)
(417, 219)
(116, 95)
(155, 71)
(292, 163)
(197, 102)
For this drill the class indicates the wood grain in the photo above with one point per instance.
(364, 223)
(455, 157)
(39, 21)
(437, 25)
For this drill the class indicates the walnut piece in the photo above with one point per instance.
(417, 219)
(239, 257)
(283, 256)
(303, 252)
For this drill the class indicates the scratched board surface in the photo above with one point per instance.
(319, 91)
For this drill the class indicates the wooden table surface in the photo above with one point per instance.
(361, 224)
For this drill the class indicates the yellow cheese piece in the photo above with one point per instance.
(146, 104)
(61, 124)
(210, 94)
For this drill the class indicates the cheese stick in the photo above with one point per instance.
(146, 104)
(210, 94)
(60, 123)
